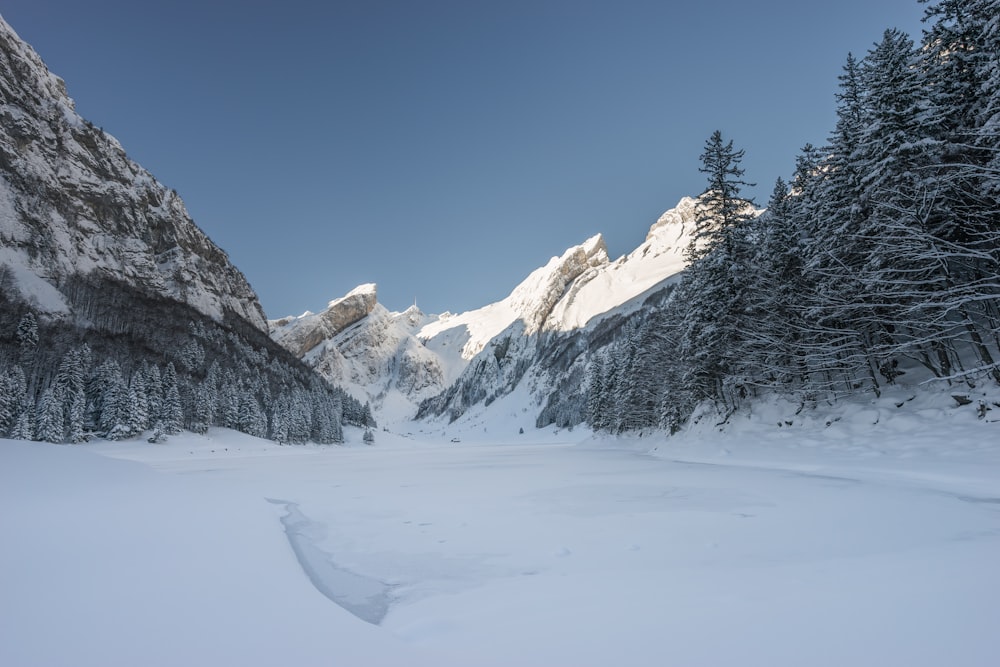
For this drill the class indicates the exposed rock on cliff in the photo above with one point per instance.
(72, 204)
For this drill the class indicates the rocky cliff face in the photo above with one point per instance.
(72, 205)
(358, 344)
(301, 334)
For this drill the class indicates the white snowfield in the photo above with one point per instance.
(860, 543)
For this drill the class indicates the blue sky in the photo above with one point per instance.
(444, 149)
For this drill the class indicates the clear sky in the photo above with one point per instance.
(444, 149)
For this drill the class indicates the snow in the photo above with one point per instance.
(38, 292)
(857, 543)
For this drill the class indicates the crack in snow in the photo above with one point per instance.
(368, 599)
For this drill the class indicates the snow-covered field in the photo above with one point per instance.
(853, 544)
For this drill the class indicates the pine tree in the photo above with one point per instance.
(139, 415)
(597, 394)
(172, 415)
(27, 339)
(717, 282)
(24, 427)
(720, 209)
(367, 419)
(71, 385)
(202, 408)
(251, 418)
(115, 405)
(12, 392)
(49, 417)
(278, 427)
(963, 84)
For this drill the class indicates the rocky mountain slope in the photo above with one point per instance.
(73, 205)
(358, 344)
(446, 363)
(117, 314)
(545, 364)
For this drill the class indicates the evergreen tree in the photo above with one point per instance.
(71, 384)
(597, 394)
(172, 415)
(251, 417)
(24, 427)
(717, 283)
(12, 393)
(202, 409)
(27, 340)
(139, 419)
(49, 417)
(720, 209)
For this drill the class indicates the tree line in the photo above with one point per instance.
(61, 391)
(881, 256)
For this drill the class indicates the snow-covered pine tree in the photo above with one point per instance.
(278, 422)
(597, 393)
(720, 208)
(116, 404)
(12, 390)
(962, 81)
(171, 413)
(154, 388)
(24, 427)
(71, 382)
(718, 277)
(773, 286)
(27, 340)
(49, 416)
(367, 419)
(202, 409)
(251, 417)
(139, 419)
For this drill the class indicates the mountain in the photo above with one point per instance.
(117, 313)
(402, 362)
(74, 207)
(358, 344)
(543, 359)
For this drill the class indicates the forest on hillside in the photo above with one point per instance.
(880, 257)
(142, 363)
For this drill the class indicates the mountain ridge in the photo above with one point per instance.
(435, 362)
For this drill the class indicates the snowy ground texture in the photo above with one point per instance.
(857, 543)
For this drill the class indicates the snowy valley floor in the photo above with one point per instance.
(854, 544)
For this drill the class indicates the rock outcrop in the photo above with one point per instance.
(301, 334)
(358, 344)
(72, 205)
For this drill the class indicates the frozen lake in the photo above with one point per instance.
(544, 554)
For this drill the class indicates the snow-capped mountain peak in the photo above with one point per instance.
(460, 337)
(395, 360)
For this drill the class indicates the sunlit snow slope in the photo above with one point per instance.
(397, 360)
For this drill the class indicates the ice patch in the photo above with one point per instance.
(366, 598)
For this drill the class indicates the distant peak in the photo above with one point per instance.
(363, 290)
